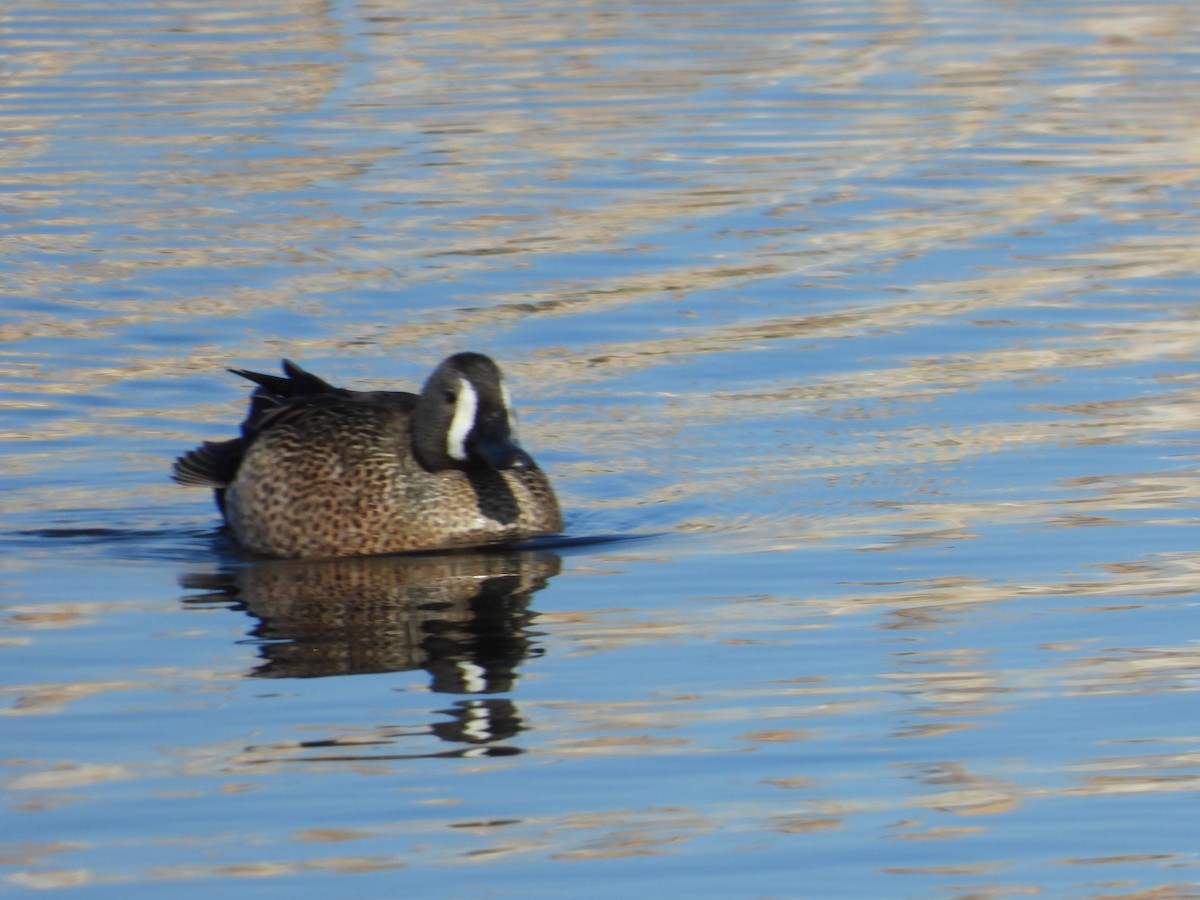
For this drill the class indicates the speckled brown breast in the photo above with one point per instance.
(341, 481)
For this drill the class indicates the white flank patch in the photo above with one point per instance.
(463, 421)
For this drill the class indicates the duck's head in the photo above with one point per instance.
(464, 420)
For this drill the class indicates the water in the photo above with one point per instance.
(859, 340)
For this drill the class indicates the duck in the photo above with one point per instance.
(322, 472)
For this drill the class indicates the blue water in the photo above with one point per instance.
(859, 340)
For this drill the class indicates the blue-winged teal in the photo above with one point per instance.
(321, 471)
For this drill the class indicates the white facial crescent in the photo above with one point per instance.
(465, 405)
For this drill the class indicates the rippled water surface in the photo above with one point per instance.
(859, 338)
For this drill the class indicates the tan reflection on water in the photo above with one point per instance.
(590, 102)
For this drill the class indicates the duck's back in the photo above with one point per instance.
(338, 478)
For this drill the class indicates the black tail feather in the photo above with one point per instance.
(295, 382)
(212, 464)
(276, 399)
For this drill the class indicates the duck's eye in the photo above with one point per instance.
(450, 397)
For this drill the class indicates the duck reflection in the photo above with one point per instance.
(462, 617)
